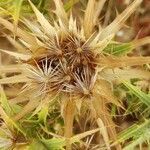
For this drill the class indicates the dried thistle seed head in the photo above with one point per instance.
(66, 56)
(71, 68)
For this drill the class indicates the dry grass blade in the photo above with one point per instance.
(124, 74)
(16, 44)
(99, 46)
(17, 9)
(17, 55)
(88, 18)
(78, 137)
(31, 105)
(24, 35)
(98, 9)
(140, 42)
(104, 89)
(102, 112)
(104, 133)
(119, 21)
(112, 62)
(92, 13)
(14, 79)
(10, 68)
(42, 20)
(18, 99)
(60, 12)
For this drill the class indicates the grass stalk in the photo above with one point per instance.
(69, 118)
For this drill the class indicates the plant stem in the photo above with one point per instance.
(68, 118)
(102, 113)
(141, 42)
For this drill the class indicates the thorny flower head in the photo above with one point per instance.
(67, 57)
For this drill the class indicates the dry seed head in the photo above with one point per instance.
(65, 56)
(56, 71)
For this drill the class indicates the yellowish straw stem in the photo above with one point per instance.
(68, 118)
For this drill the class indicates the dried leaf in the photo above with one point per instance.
(24, 35)
(112, 62)
(43, 21)
(15, 79)
(17, 55)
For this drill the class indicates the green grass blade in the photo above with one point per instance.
(42, 115)
(70, 4)
(54, 143)
(144, 98)
(4, 103)
(9, 122)
(135, 131)
(119, 49)
(35, 145)
(17, 8)
(142, 138)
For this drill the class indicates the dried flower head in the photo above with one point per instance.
(67, 57)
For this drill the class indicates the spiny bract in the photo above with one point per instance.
(66, 59)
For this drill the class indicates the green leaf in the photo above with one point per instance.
(16, 108)
(70, 4)
(80, 136)
(4, 103)
(118, 49)
(17, 7)
(142, 138)
(143, 97)
(42, 115)
(135, 131)
(35, 145)
(10, 123)
(54, 143)
(138, 133)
